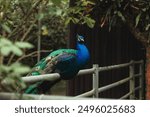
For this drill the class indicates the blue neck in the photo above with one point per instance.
(82, 54)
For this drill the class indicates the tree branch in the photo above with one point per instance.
(140, 36)
(31, 54)
(25, 18)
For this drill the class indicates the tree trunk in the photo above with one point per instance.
(143, 37)
(148, 73)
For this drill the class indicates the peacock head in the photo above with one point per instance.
(80, 38)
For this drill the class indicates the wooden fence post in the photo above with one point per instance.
(96, 80)
(132, 81)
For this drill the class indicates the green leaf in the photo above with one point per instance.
(4, 42)
(5, 68)
(147, 27)
(58, 12)
(19, 68)
(91, 24)
(23, 45)
(75, 20)
(67, 21)
(40, 16)
(22, 70)
(6, 28)
(121, 16)
(23, 85)
(17, 51)
(137, 19)
(144, 9)
(89, 21)
(5, 50)
(56, 2)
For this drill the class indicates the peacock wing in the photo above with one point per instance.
(58, 58)
(38, 68)
(67, 66)
(48, 64)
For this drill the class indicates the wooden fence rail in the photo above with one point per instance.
(96, 89)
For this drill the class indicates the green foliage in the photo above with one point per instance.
(80, 13)
(10, 75)
(133, 11)
(6, 47)
(119, 14)
(137, 19)
(6, 28)
(56, 2)
(23, 45)
(54, 32)
(18, 27)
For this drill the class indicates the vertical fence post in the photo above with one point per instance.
(141, 80)
(95, 80)
(132, 81)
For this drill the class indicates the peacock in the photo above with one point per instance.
(66, 62)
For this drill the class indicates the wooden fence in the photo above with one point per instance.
(96, 89)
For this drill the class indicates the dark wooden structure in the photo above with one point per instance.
(106, 48)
